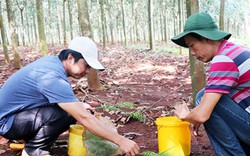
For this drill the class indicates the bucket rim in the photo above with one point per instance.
(76, 128)
(170, 121)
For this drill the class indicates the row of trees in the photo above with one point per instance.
(26, 22)
(109, 21)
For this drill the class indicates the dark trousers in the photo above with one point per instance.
(39, 127)
(228, 127)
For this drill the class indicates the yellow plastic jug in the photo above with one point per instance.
(173, 136)
(75, 143)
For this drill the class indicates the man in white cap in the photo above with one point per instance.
(38, 104)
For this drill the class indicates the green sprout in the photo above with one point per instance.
(137, 116)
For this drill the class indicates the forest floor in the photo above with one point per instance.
(151, 80)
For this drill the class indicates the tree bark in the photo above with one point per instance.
(111, 22)
(58, 23)
(124, 24)
(50, 23)
(64, 23)
(94, 80)
(197, 71)
(41, 32)
(222, 10)
(104, 42)
(21, 8)
(136, 22)
(70, 19)
(150, 24)
(5, 46)
(83, 18)
(14, 40)
(29, 28)
(34, 27)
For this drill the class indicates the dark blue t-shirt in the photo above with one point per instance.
(43, 82)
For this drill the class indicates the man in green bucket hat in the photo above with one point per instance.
(223, 106)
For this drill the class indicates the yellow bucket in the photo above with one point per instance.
(173, 136)
(75, 143)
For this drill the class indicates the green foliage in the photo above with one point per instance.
(150, 153)
(108, 107)
(137, 116)
(136, 18)
(97, 146)
(125, 105)
(117, 106)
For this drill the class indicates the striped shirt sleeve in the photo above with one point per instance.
(223, 75)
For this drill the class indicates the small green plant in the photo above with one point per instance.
(125, 105)
(137, 116)
(150, 153)
(108, 107)
(117, 106)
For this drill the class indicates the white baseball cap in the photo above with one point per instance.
(88, 49)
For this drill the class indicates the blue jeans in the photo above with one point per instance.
(228, 127)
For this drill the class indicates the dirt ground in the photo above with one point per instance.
(154, 82)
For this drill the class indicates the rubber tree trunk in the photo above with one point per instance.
(14, 41)
(85, 27)
(150, 24)
(5, 47)
(41, 31)
(197, 71)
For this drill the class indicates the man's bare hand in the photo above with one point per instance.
(89, 108)
(195, 130)
(129, 147)
(181, 111)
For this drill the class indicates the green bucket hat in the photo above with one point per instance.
(203, 25)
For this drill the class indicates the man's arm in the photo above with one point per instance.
(202, 112)
(91, 123)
